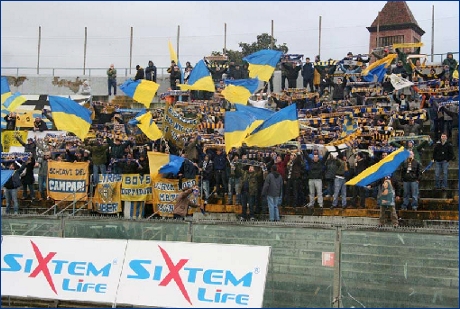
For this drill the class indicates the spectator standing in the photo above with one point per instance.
(386, 200)
(361, 163)
(28, 179)
(29, 147)
(339, 181)
(308, 72)
(10, 121)
(112, 80)
(273, 190)
(249, 190)
(410, 175)
(451, 62)
(220, 175)
(315, 181)
(117, 150)
(207, 174)
(443, 153)
(183, 202)
(151, 72)
(12, 185)
(99, 158)
(43, 174)
(234, 181)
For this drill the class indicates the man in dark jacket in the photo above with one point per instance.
(451, 62)
(315, 181)
(40, 125)
(443, 153)
(273, 190)
(151, 72)
(117, 151)
(139, 73)
(12, 185)
(29, 147)
(307, 73)
(99, 159)
(362, 162)
(292, 73)
(411, 171)
(28, 180)
(339, 87)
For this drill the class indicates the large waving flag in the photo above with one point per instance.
(142, 90)
(384, 167)
(236, 129)
(134, 120)
(148, 126)
(239, 91)
(262, 63)
(379, 71)
(70, 116)
(386, 62)
(163, 163)
(200, 79)
(10, 101)
(281, 127)
(256, 115)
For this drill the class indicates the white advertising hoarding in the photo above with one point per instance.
(192, 275)
(61, 268)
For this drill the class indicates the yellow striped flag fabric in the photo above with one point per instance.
(383, 168)
(148, 126)
(238, 91)
(262, 63)
(142, 90)
(70, 116)
(281, 127)
(200, 79)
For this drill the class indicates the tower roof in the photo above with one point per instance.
(395, 15)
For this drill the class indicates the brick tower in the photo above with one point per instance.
(396, 25)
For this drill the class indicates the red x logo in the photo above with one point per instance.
(43, 266)
(174, 274)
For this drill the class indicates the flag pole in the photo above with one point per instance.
(131, 51)
(39, 43)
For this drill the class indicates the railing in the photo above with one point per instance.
(125, 72)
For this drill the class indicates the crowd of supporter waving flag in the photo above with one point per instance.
(225, 142)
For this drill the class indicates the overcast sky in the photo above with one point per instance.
(201, 29)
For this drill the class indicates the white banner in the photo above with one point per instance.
(399, 82)
(192, 275)
(61, 268)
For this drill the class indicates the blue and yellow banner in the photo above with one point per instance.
(383, 168)
(142, 90)
(200, 79)
(107, 196)
(262, 63)
(175, 125)
(136, 187)
(67, 178)
(70, 116)
(281, 127)
(239, 91)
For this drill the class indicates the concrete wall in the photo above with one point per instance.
(387, 268)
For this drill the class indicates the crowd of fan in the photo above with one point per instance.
(308, 171)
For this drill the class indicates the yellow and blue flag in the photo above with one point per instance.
(142, 90)
(134, 121)
(70, 116)
(239, 91)
(255, 114)
(10, 101)
(236, 129)
(377, 68)
(148, 126)
(262, 63)
(200, 79)
(163, 163)
(281, 127)
(383, 168)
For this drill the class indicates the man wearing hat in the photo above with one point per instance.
(29, 147)
(140, 73)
